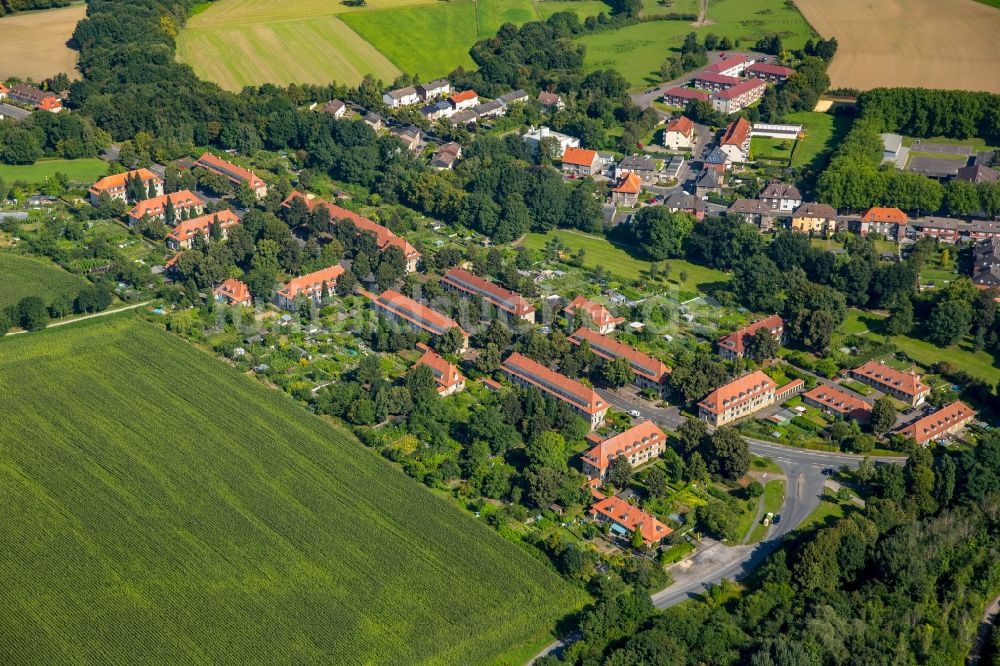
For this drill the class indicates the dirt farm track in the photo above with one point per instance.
(931, 43)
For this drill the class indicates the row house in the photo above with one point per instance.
(184, 202)
(754, 211)
(235, 174)
(650, 372)
(735, 142)
(681, 96)
(714, 82)
(732, 66)
(626, 519)
(839, 402)
(404, 310)
(449, 380)
(737, 399)
(889, 222)
(467, 99)
(582, 399)
(233, 292)
(519, 96)
(738, 97)
(116, 185)
(789, 390)
(768, 72)
(309, 286)
(945, 421)
(400, 97)
(815, 218)
(904, 386)
(41, 100)
(182, 236)
(467, 285)
(781, 196)
(437, 110)
(639, 445)
(580, 162)
(734, 345)
(950, 230)
(598, 315)
(679, 134)
(433, 89)
(986, 264)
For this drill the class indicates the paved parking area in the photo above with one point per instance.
(934, 166)
(943, 148)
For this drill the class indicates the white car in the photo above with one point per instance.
(634, 412)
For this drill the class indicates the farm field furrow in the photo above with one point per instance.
(161, 508)
(22, 276)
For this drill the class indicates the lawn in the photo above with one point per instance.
(621, 263)
(823, 133)
(159, 507)
(85, 170)
(774, 499)
(767, 148)
(28, 276)
(829, 511)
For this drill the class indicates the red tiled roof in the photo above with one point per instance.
(426, 318)
(739, 89)
(630, 184)
(119, 180)
(631, 518)
(686, 93)
(229, 170)
(736, 340)
(579, 156)
(463, 96)
(649, 367)
(906, 382)
(560, 386)
(203, 224)
(936, 424)
(445, 373)
(312, 282)
(737, 133)
(712, 77)
(681, 124)
(637, 438)
(507, 301)
(182, 199)
(838, 400)
(765, 68)
(233, 291)
(737, 392)
(879, 214)
(725, 64)
(597, 312)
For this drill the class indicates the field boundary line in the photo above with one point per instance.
(64, 322)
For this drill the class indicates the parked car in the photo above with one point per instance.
(634, 412)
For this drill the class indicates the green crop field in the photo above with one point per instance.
(22, 276)
(85, 170)
(638, 50)
(159, 507)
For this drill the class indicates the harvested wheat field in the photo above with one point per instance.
(902, 43)
(33, 44)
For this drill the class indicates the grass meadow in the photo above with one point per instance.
(85, 170)
(823, 132)
(159, 507)
(22, 276)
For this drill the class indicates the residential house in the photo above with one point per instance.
(986, 263)
(309, 286)
(626, 519)
(680, 96)
(466, 99)
(626, 190)
(679, 134)
(738, 97)
(709, 181)
(335, 108)
(449, 380)
(718, 160)
(551, 100)
(535, 135)
(889, 222)
(580, 162)
(116, 186)
(688, 203)
(436, 110)
(233, 292)
(184, 202)
(410, 136)
(182, 236)
(374, 121)
(584, 400)
(714, 82)
(42, 100)
(643, 166)
(650, 372)
(518, 96)
(467, 285)
(492, 109)
(768, 72)
(839, 402)
(815, 218)
(781, 196)
(433, 89)
(599, 317)
(950, 230)
(396, 99)
(737, 399)
(466, 117)
(446, 156)
(754, 211)
(404, 310)
(904, 386)
(945, 421)
(734, 345)
(639, 445)
(235, 174)
(735, 142)
(978, 173)
(734, 65)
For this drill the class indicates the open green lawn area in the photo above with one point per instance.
(85, 170)
(774, 498)
(159, 507)
(829, 511)
(621, 263)
(823, 132)
(22, 276)
(638, 50)
(766, 148)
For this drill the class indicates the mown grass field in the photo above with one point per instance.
(823, 133)
(85, 170)
(33, 44)
(161, 508)
(22, 276)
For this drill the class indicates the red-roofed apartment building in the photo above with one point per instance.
(945, 421)
(905, 386)
(767, 72)
(738, 97)
(583, 399)
(626, 519)
(598, 314)
(156, 208)
(182, 236)
(740, 397)
(626, 192)
(43, 100)
(384, 237)
(679, 134)
(235, 174)
(649, 372)
(580, 161)
(116, 186)
(714, 82)
(468, 285)
(680, 96)
(399, 308)
(890, 222)
(234, 292)
(736, 141)
(309, 286)
(639, 444)
(733, 346)
(447, 376)
(731, 66)
(833, 400)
